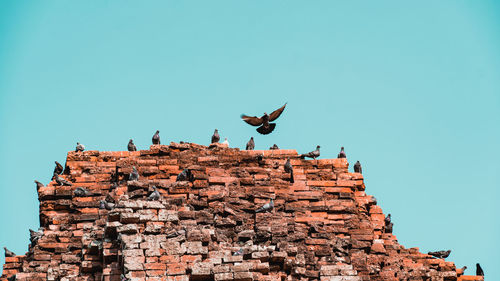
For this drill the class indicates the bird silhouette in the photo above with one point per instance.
(131, 146)
(313, 154)
(289, 169)
(357, 168)
(156, 138)
(264, 127)
(250, 144)
(215, 136)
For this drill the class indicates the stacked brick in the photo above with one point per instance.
(323, 227)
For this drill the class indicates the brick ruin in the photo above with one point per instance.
(323, 227)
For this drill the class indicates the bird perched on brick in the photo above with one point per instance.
(156, 138)
(82, 192)
(35, 235)
(62, 181)
(58, 169)
(357, 168)
(440, 254)
(274, 147)
(131, 145)
(134, 175)
(265, 127)
(479, 270)
(250, 144)
(155, 195)
(38, 185)
(289, 169)
(387, 219)
(79, 147)
(342, 153)
(313, 154)
(226, 142)
(215, 136)
(103, 204)
(267, 207)
(461, 271)
(185, 175)
(9, 254)
(239, 252)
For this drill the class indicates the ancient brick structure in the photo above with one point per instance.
(323, 227)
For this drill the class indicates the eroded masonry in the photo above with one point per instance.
(323, 226)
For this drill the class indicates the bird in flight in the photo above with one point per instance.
(263, 122)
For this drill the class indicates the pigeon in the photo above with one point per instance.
(267, 207)
(62, 181)
(226, 142)
(134, 176)
(479, 270)
(79, 147)
(131, 145)
(8, 254)
(58, 169)
(357, 168)
(265, 127)
(388, 227)
(274, 147)
(313, 154)
(440, 254)
(103, 204)
(289, 169)
(215, 136)
(387, 219)
(155, 195)
(156, 138)
(239, 252)
(250, 144)
(35, 235)
(461, 271)
(185, 175)
(38, 185)
(341, 153)
(82, 192)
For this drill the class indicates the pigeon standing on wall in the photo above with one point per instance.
(215, 136)
(289, 169)
(155, 195)
(357, 168)
(479, 270)
(105, 205)
(82, 192)
(79, 147)
(440, 254)
(134, 175)
(35, 235)
(267, 207)
(341, 153)
(131, 146)
(62, 181)
(226, 142)
(8, 254)
(274, 147)
(265, 127)
(156, 138)
(38, 185)
(313, 154)
(250, 144)
(58, 169)
(185, 175)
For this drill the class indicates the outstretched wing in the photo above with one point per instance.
(276, 113)
(252, 120)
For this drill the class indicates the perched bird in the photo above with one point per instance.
(440, 254)
(313, 154)
(103, 204)
(250, 144)
(388, 227)
(62, 181)
(357, 168)
(155, 195)
(267, 207)
(239, 252)
(265, 127)
(8, 254)
(274, 147)
(215, 136)
(79, 147)
(82, 192)
(461, 271)
(226, 142)
(134, 176)
(185, 175)
(479, 270)
(58, 169)
(38, 185)
(131, 145)
(35, 235)
(156, 138)
(341, 153)
(289, 169)
(387, 219)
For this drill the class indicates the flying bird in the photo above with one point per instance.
(155, 195)
(62, 181)
(289, 169)
(265, 127)
(357, 168)
(185, 175)
(156, 138)
(9, 254)
(215, 136)
(313, 154)
(341, 153)
(274, 147)
(134, 175)
(38, 185)
(479, 270)
(267, 207)
(79, 147)
(250, 144)
(440, 254)
(82, 192)
(131, 145)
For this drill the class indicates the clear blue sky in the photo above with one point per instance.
(410, 88)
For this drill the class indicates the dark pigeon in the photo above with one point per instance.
(38, 185)
(274, 147)
(35, 235)
(103, 204)
(250, 144)
(155, 195)
(440, 254)
(313, 154)
(388, 227)
(58, 169)
(131, 145)
(215, 136)
(8, 254)
(479, 270)
(79, 147)
(357, 168)
(62, 181)
(156, 138)
(267, 207)
(134, 176)
(387, 219)
(289, 169)
(82, 192)
(185, 175)
(341, 153)
(265, 127)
